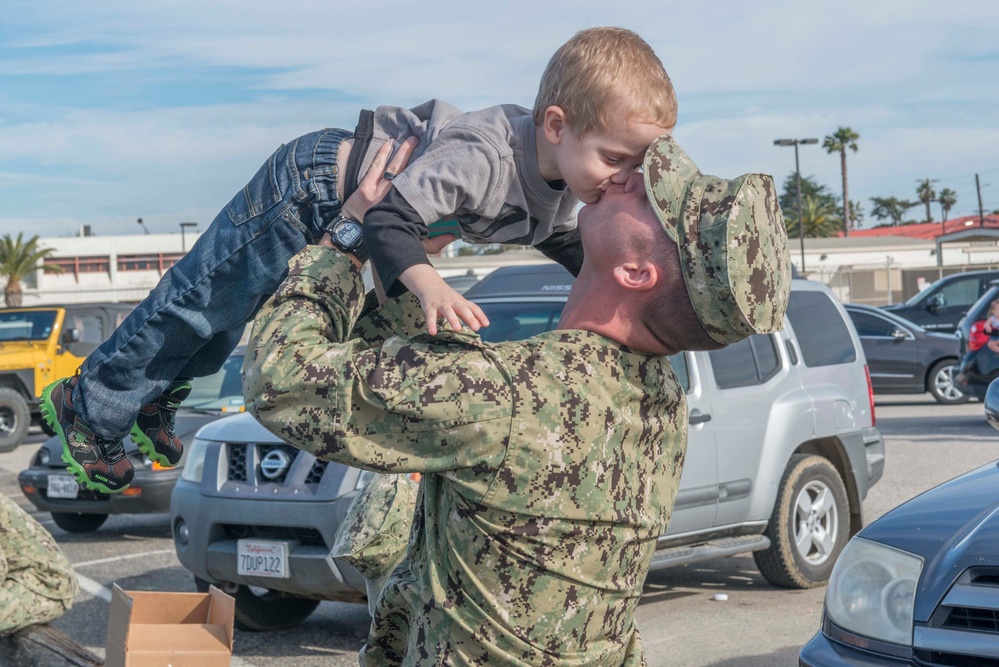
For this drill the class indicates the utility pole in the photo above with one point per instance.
(981, 212)
(927, 181)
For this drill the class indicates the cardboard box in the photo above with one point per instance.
(154, 629)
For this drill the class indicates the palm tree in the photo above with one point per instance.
(819, 218)
(947, 199)
(17, 260)
(839, 141)
(926, 195)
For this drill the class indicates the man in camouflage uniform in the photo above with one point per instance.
(37, 582)
(549, 465)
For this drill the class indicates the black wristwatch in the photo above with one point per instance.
(347, 236)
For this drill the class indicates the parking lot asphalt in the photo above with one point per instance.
(681, 622)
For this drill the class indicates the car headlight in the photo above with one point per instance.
(194, 468)
(872, 591)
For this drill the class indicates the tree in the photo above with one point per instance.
(820, 219)
(838, 142)
(926, 195)
(947, 199)
(809, 188)
(891, 208)
(856, 215)
(19, 259)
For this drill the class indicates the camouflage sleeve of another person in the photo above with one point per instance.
(30, 555)
(378, 398)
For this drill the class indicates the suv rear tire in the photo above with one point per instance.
(15, 417)
(809, 526)
(268, 610)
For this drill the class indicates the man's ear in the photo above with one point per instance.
(639, 276)
(554, 124)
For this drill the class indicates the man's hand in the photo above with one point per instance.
(440, 302)
(374, 185)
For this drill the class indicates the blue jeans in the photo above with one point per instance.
(193, 319)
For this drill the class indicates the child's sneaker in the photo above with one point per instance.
(153, 430)
(96, 463)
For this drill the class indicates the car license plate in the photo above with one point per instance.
(262, 558)
(63, 486)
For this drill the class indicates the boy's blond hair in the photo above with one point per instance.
(600, 67)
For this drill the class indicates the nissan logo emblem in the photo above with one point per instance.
(274, 464)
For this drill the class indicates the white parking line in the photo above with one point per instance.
(99, 591)
(112, 559)
(94, 588)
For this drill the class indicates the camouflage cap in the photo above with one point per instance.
(732, 242)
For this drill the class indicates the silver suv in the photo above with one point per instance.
(782, 451)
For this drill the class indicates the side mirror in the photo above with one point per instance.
(71, 335)
(898, 335)
(934, 302)
(992, 404)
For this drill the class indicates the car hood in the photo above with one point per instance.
(952, 526)
(238, 428)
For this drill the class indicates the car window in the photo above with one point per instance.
(223, 389)
(748, 362)
(682, 371)
(820, 329)
(26, 325)
(961, 292)
(868, 324)
(517, 321)
(90, 327)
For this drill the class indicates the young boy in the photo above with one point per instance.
(501, 175)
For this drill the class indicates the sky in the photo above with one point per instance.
(112, 111)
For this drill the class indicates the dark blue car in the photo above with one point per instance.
(920, 586)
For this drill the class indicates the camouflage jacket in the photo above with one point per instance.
(29, 554)
(550, 467)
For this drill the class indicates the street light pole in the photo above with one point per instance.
(183, 240)
(142, 225)
(797, 178)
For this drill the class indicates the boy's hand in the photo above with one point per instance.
(440, 302)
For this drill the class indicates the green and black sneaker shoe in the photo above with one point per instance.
(96, 463)
(153, 430)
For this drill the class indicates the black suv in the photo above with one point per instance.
(979, 365)
(940, 306)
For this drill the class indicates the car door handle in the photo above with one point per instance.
(698, 418)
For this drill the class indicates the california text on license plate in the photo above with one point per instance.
(262, 558)
(62, 486)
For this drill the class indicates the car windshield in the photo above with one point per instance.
(517, 321)
(26, 325)
(220, 391)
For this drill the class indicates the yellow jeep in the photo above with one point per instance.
(38, 346)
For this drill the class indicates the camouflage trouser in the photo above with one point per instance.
(21, 607)
(375, 530)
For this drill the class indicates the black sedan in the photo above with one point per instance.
(904, 358)
(919, 586)
(75, 509)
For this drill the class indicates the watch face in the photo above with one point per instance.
(348, 234)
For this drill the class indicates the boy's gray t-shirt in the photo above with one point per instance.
(480, 168)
